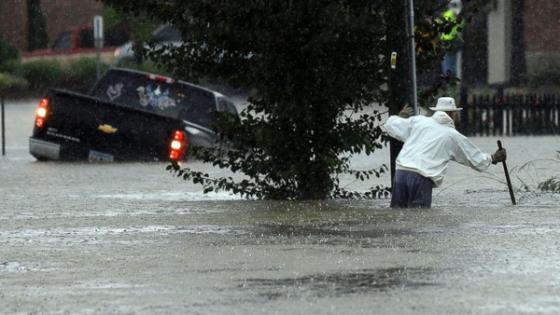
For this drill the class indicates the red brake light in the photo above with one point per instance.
(44, 103)
(41, 113)
(179, 135)
(39, 122)
(161, 78)
(178, 146)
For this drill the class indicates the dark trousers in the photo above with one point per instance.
(411, 190)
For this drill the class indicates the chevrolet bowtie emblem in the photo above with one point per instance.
(107, 129)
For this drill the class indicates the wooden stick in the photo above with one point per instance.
(507, 176)
(3, 127)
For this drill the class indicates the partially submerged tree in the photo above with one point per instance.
(314, 67)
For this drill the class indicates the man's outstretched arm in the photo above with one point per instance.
(470, 155)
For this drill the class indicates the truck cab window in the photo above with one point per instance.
(226, 106)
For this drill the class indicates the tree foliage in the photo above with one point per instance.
(139, 25)
(7, 51)
(314, 67)
(36, 26)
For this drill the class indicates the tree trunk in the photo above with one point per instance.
(397, 41)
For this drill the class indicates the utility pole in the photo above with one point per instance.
(399, 77)
(412, 56)
(98, 39)
(3, 126)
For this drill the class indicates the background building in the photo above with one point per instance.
(59, 16)
(510, 42)
(523, 41)
(542, 36)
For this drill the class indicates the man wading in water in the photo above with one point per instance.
(429, 144)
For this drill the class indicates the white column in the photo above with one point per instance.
(499, 41)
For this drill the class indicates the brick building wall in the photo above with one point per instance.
(542, 36)
(542, 27)
(13, 22)
(61, 15)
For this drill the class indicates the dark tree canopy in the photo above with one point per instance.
(36, 26)
(314, 67)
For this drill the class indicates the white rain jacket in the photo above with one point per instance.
(430, 143)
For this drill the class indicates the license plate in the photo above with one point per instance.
(96, 156)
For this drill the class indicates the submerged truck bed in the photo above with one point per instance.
(80, 127)
(128, 115)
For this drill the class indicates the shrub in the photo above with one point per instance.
(10, 84)
(12, 66)
(548, 77)
(81, 74)
(78, 75)
(7, 51)
(41, 74)
(552, 184)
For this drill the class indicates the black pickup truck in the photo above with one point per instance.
(128, 115)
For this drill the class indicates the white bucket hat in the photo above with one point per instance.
(446, 104)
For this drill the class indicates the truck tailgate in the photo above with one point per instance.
(91, 127)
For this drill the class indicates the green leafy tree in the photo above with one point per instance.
(9, 83)
(140, 25)
(37, 26)
(314, 67)
(7, 51)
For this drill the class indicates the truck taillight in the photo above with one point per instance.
(41, 113)
(178, 146)
(161, 78)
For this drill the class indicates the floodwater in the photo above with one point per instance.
(128, 238)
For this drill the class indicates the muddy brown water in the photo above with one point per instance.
(128, 238)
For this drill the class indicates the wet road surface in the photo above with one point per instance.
(82, 238)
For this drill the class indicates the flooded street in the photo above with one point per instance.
(124, 238)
